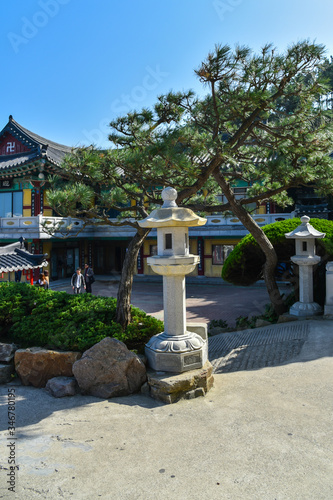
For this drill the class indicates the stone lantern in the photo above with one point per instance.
(305, 258)
(176, 349)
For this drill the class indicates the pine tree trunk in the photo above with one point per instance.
(264, 243)
(123, 313)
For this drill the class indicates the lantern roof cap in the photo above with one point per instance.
(170, 214)
(305, 230)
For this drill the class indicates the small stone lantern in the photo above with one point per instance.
(176, 349)
(305, 258)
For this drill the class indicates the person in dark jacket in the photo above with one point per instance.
(78, 281)
(89, 277)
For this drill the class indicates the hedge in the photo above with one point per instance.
(244, 264)
(31, 316)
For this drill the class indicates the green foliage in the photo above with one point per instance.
(246, 322)
(250, 322)
(221, 323)
(261, 123)
(268, 315)
(244, 264)
(32, 316)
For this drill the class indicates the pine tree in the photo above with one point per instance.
(260, 122)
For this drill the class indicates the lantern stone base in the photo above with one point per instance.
(305, 309)
(170, 388)
(328, 310)
(178, 353)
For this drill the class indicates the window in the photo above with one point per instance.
(152, 250)
(17, 204)
(11, 204)
(227, 250)
(168, 241)
(220, 253)
(217, 254)
(239, 192)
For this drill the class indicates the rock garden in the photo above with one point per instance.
(71, 343)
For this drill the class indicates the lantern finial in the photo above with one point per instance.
(169, 196)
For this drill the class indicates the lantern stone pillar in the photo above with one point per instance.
(176, 349)
(305, 258)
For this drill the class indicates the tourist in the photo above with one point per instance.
(89, 277)
(78, 281)
(46, 280)
(41, 280)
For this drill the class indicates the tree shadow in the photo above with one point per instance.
(32, 405)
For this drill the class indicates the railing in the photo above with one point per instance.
(261, 219)
(39, 223)
(19, 222)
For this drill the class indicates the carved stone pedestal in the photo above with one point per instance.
(171, 388)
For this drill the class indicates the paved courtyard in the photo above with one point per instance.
(205, 300)
(263, 433)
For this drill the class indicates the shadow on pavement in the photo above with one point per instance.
(34, 405)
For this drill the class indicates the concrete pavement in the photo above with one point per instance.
(264, 433)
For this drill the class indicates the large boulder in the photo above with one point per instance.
(7, 352)
(109, 369)
(35, 365)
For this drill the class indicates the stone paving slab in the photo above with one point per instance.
(257, 348)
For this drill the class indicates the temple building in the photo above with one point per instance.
(27, 160)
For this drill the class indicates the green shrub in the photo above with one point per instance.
(246, 322)
(221, 323)
(244, 264)
(32, 316)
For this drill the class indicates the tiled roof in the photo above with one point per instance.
(14, 258)
(15, 161)
(40, 148)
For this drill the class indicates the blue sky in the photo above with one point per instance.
(71, 66)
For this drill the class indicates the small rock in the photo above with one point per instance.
(262, 322)
(109, 369)
(195, 393)
(60, 387)
(216, 330)
(285, 318)
(7, 352)
(145, 389)
(143, 359)
(6, 372)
